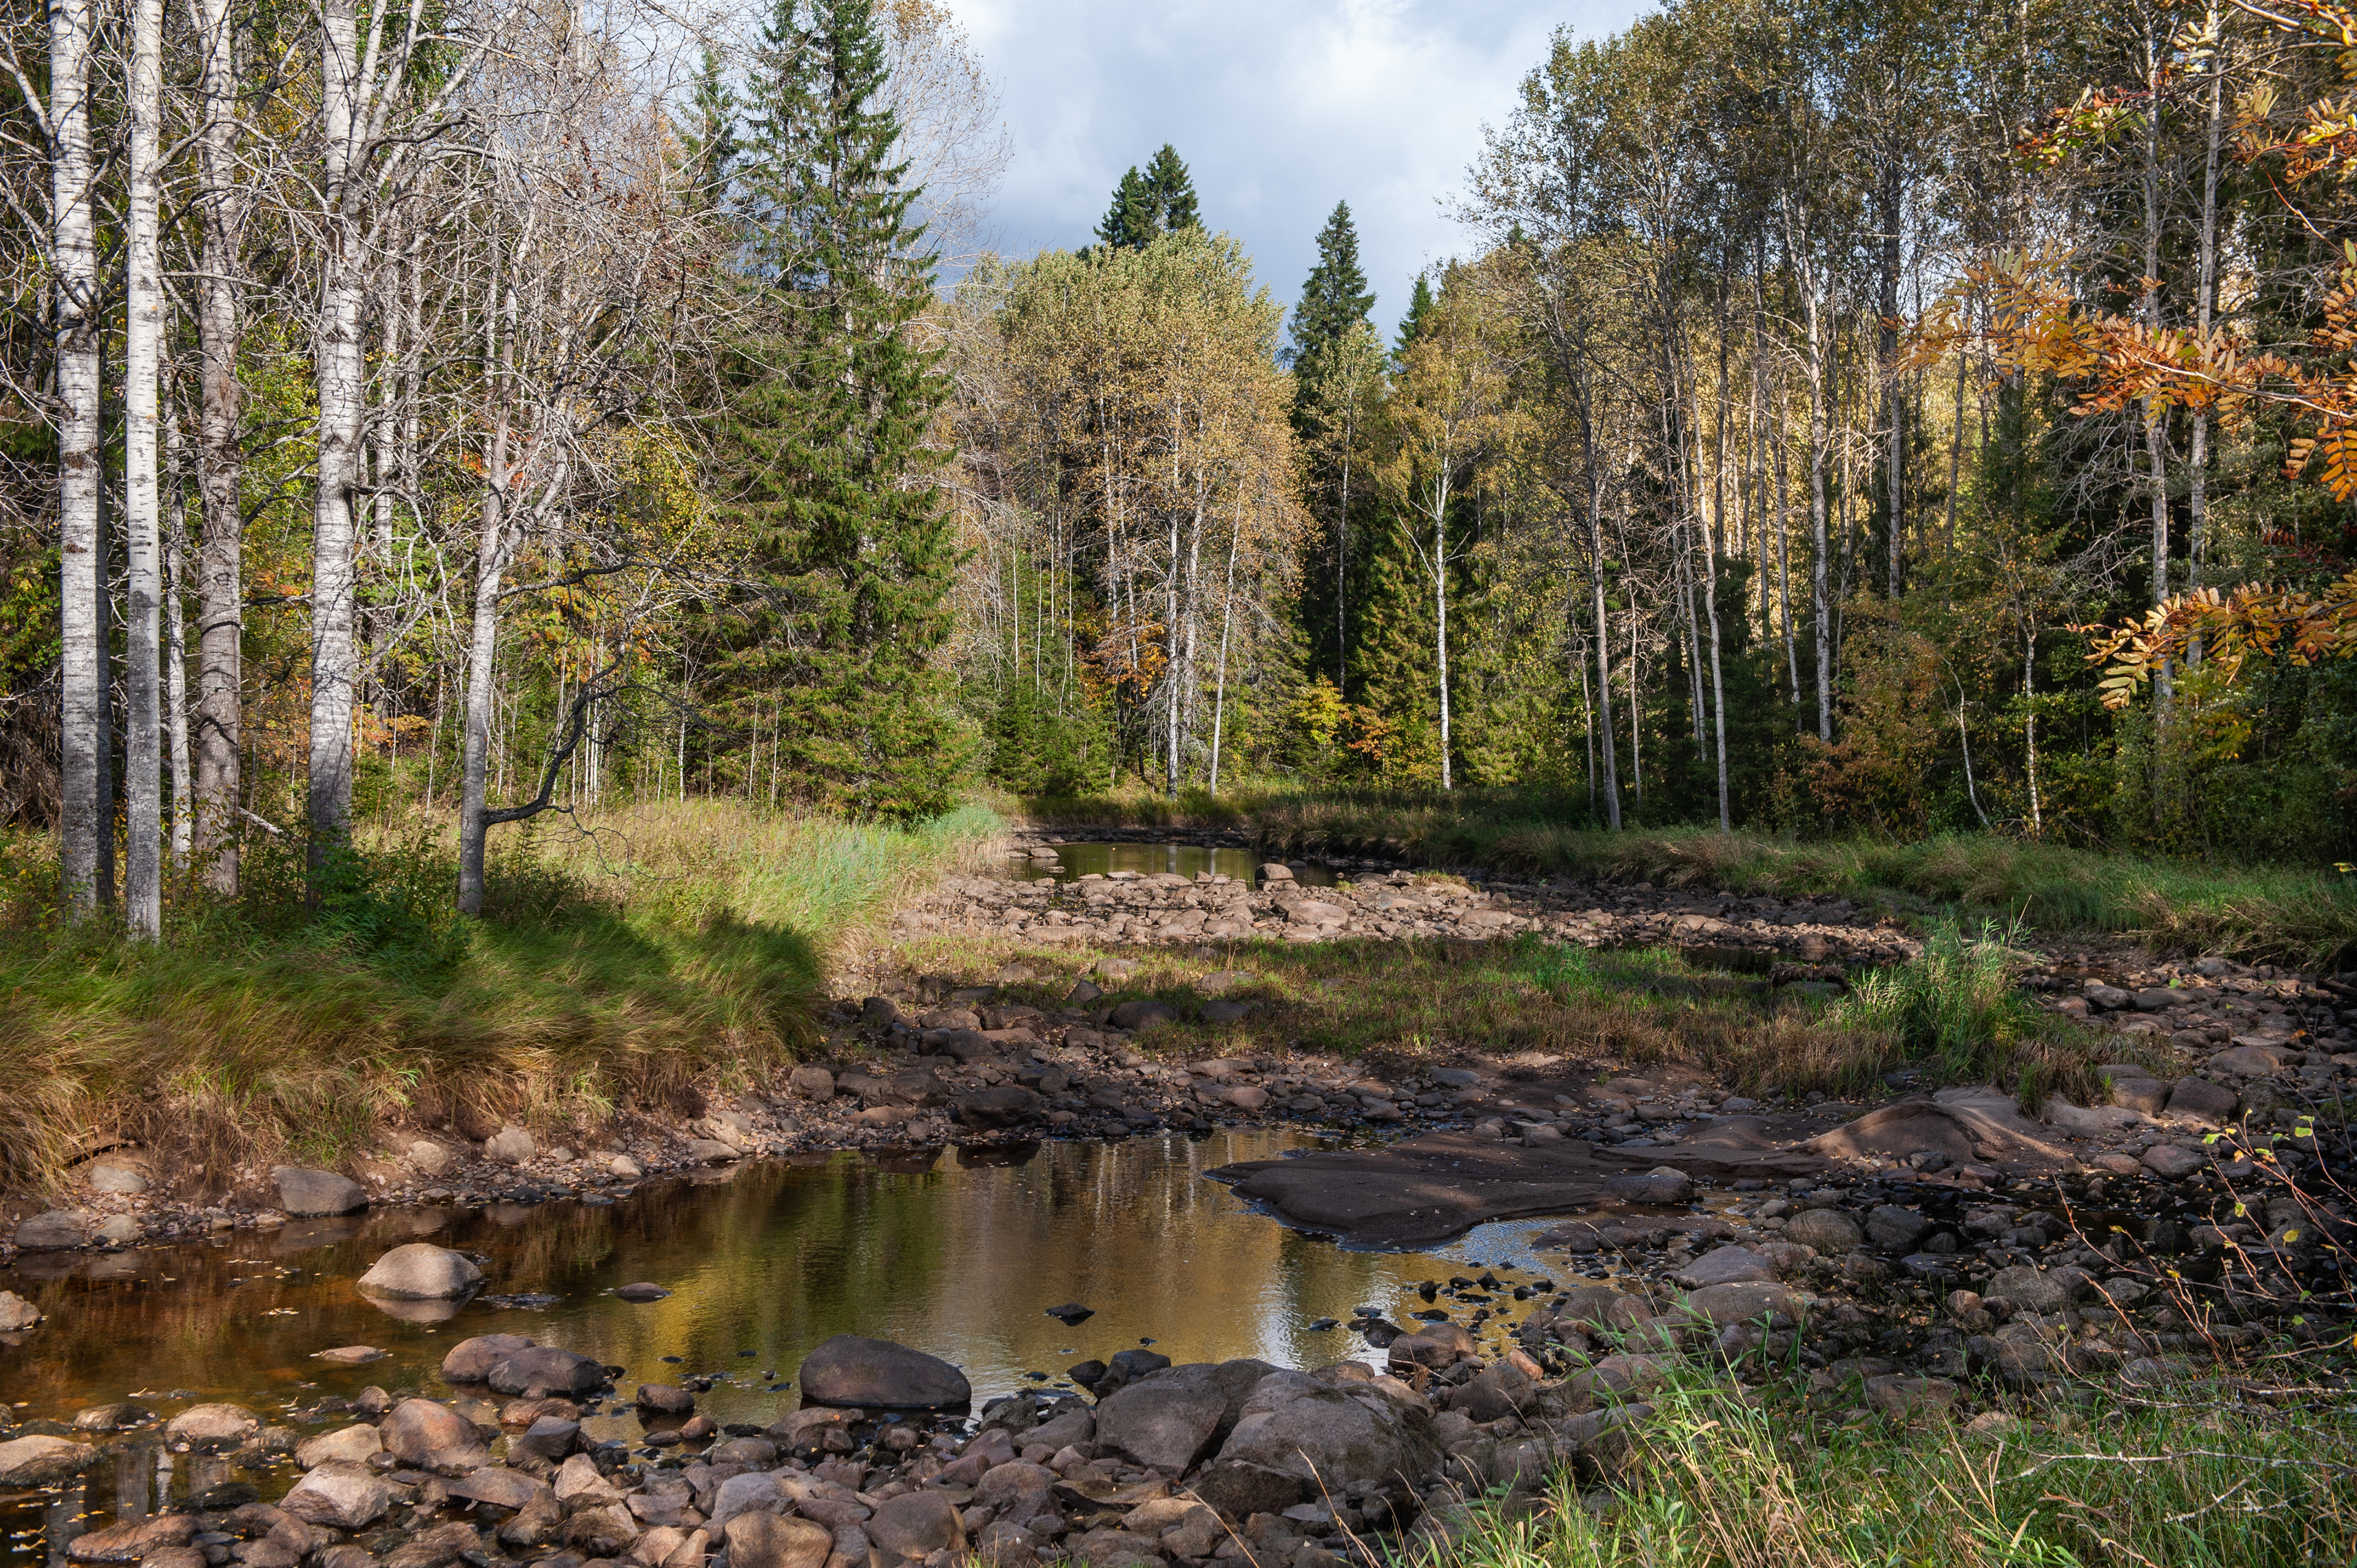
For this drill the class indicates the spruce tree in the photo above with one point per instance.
(1160, 202)
(1129, 222)
(707, 136)
(1335, 297)
(853, 553)
(1172, 191)
(1418, 318)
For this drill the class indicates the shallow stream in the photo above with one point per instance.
(958, 1252)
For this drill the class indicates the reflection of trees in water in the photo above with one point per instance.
(960, 1259)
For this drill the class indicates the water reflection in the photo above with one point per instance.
(1186, 859)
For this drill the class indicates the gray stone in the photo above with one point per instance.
(1166, 1422)
(501, 1488)
(53, 1231)
(304, 1192)
(2158, 999)
(348, 1446)
(712, 1152)
(1226, 1012)
(109, 1176)
(917, 1524)
(811, 1082)
(2143, 1094)
(420, 1272)
(339, 1496)
(2039, 1290)
(544, 1369)
(118, 1230)
(877, 1014)
(769, 1541)
(430, 1157)
(1725, 1304)
(471, 1361)
(1240, 1491)
(433, 1436)
(1142, 1014)
(213, 1426)
(756, 1492)
(663, 1399)
(1725, 1266)
(120, 1416)
(1455, 1078)
(1662, 1185)
(134, 1540)
(1005, 1106)
(1895, 1229)
(510, 1146)
(2246, 1061)
(42, 1461)
(2201, 1101)
(850, 1370)
(551, 1437)
(16, 1313)
(1334, 1438)
(2170, 1162)
(1829, 1230)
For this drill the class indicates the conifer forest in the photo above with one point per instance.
(1863, 416)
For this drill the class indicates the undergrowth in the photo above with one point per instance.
(661, 946)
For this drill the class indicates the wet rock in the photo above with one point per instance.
(349, 1355)
(1333, 1437)
(811, 1082)
(115, 1178)
(42, 1461)
(304, 1192)
(1829, 1230)
(1005, 1106)
(420, 1272)
(510, 1146)
(663, 1399)
(551, 1437)
(2039, 1290)
(2199, 1099)
(753, 1493)
(213, 1426)
(1438, 1345)
(1726, 1305)
(471, 1361)
(432, 1437)
(120, 1416)
(644, 1291)
(2170, 1162)
(1725, 1266)
(437, 1548)
(1071, 1314)
(916, 1525)
(134, 1541)
(53, 1231)
(1163, 1422)
(1895, 1229)
(1142, 1014)
(348, 1446)
(502, 1488)
(544, 1369)
(580, 1485)
(16, 1313)
(768, 1540)
(850, 1370)
(710, 1151)
(340, 1495)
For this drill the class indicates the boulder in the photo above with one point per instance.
(916, 1525)
(420, 1272)
(1334, 1438)
(1240, 1489)
(878, 1374)
(550, 1437)
(541, 1370)
(432, 1437)
(811, 1082)
(1895, 1229)
(2246, 1061)
(16, 1313)
(642, 1292)
(1725, 1266)
(345, 1445)
(1725, 1304)
(114, 1177)
(1662, 1185)
(42, 1461)
(349, 1355)
(2039, 1290)
(1005, 1106)
(2199, 1099)
(663, 1399)
(2144, 1094)
(134, 1540)
(2170, 1162)
(213, 1426)
(502, 1488)
(53, 1231)
(305, 1192)
(769, 1541)
(340, 1495)
(1827, 1229)
(755, 1492)
(510, 1146)
(470, 1360)
(1165, 1422)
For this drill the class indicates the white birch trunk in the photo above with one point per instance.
(142, 880)
(86, 824)
(221, 611)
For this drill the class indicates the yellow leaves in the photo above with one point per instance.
(2254, 621)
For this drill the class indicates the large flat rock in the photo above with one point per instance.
(1429, 1189)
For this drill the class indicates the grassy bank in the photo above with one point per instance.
(661, 946)
(2190, 1477)
(2257, 914)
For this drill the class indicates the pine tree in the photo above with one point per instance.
(832, 407)
(1172, 191)
(1129, 223)
(1335, 297)
(1419, 319)
(707, 136)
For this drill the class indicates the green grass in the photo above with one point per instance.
(669, 946)
(2301, 916)
(1728, 1478)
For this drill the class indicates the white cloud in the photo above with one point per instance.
(1280, 108)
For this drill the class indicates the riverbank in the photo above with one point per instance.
(2301, 918)
(627, 965)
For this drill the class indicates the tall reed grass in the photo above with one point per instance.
(626, 960)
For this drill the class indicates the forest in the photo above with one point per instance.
(1853, 416)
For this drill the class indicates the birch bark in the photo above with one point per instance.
(87, 814)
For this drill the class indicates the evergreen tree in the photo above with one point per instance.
(831, 654)
(1335, 297)
(1129, 222)
(1160, 202)
(1417, 320)
(707, 136)
(1172, 190)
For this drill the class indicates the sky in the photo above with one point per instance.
(1280, 108)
